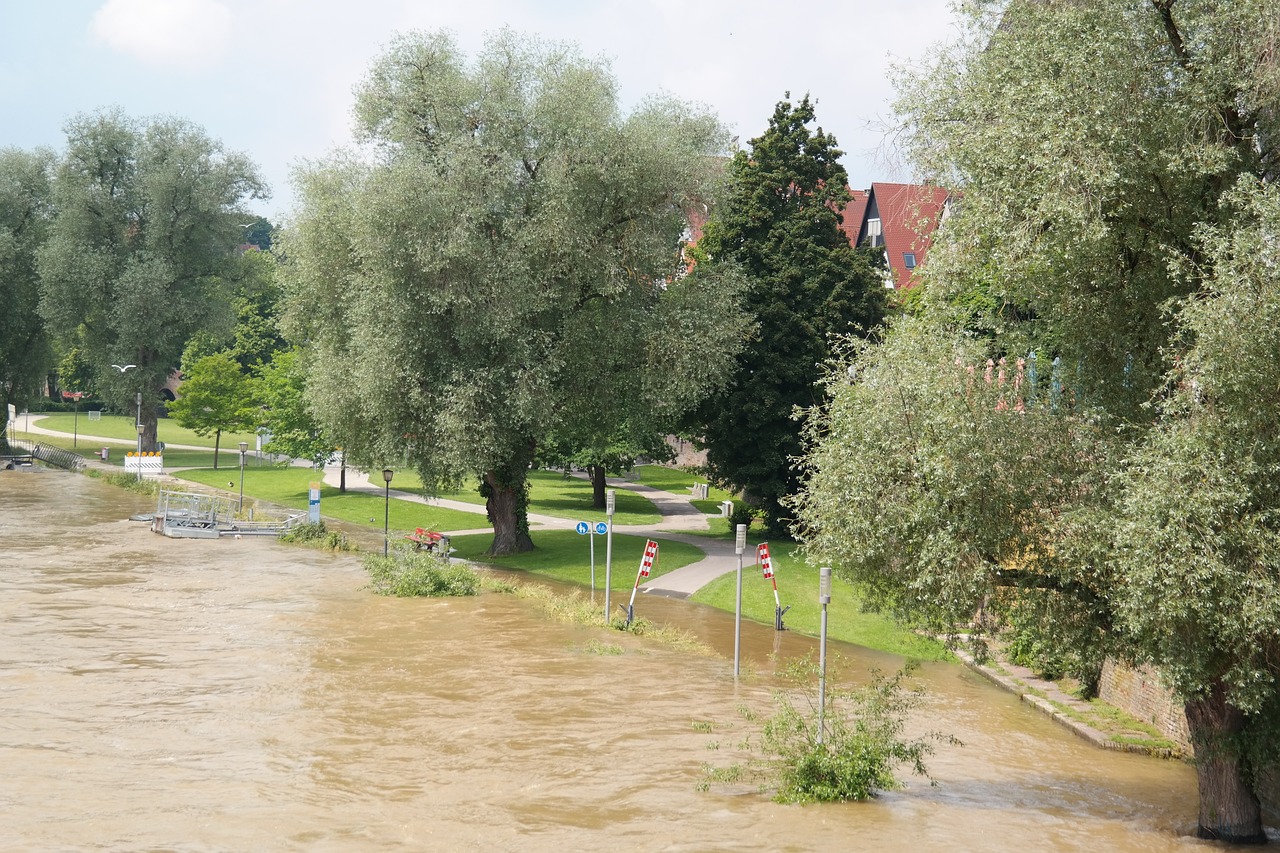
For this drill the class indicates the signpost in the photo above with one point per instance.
(586, 528)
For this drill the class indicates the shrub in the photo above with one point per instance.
(316, 535)
(860, 750)
(408, 574)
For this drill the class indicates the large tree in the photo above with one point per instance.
(780, 224)
(148, 220)
(464, 286)
(1079, 433)
(25, 213)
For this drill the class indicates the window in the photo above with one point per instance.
(874, 233)
(909, 260)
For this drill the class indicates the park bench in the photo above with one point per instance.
(425, 540)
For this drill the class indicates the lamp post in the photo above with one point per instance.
(244, 447)
(610, 502)
(824, 598)
(386, 510)
(739, 545)
(138, 424)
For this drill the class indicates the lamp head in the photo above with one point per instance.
(386, 475)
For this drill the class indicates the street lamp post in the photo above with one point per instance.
(244, 447)
(610, 503)
(824, 598)
(739, 545)
(386, 510)
(138, 425)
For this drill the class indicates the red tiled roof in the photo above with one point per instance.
(909, 213)
(853, 214)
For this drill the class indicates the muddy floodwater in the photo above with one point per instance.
(241, 695)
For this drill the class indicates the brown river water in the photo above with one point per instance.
(241, 695)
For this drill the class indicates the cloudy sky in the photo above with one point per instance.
(273, 78)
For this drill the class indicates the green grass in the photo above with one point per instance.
(122, 427)
(798, 587)
(564, 555)
(290, 486)
(551, 493)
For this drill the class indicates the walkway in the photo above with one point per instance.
(679, 518)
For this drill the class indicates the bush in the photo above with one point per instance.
(861, 747)
(316, 535)
(410, 574)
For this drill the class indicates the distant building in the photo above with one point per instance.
(899, 217)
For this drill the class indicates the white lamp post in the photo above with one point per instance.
(244, 447)
(610, 502)
(739, 545)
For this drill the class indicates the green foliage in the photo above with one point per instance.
(25, 213)
(410, 573)
(281, 391)
(778, 226)
(498, 275)
(1117, 219)
(316, 535)
(855, 756)
(136, 258)
(216, 398)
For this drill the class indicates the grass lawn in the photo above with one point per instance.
(798, 587)
(551, 493)
(290, 486)
(566, 556)
(122, 427)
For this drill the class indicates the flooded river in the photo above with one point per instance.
(240, 695)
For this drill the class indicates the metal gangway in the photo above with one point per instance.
(201, 515)
(48, 454)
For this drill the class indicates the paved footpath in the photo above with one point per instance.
(681, 520)
(678, 515)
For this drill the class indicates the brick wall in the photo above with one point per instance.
(1141, 693)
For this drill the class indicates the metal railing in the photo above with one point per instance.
(55, 456)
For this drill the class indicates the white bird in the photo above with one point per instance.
(123, 367)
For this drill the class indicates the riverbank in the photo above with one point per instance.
(1097, 722)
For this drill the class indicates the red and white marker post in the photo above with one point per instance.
(766, 567)
(646, 565)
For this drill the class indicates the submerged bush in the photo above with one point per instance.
(316, 535)
(408, 574)
(858, 754)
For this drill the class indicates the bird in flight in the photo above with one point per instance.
(123, 367)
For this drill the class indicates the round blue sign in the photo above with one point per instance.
(582, 528)
(602, 528)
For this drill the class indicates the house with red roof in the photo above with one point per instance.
(902, 219)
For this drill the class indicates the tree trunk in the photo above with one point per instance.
(505, 505)
(1229, 808)
(217, 439)
(598, 484)
(342, 473)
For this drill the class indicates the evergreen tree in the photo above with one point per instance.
(780, 226)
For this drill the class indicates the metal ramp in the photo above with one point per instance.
(200, 515)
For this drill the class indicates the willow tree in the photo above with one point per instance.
(146, 229)
(1079, 433)
(25, 213)
(464, 283)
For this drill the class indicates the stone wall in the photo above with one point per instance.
(1141, 693)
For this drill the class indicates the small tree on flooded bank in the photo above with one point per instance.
(460, 294)
(1119, 219)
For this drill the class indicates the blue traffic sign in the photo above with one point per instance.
(582, 527)
(602, 528)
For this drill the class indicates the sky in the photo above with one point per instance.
(273, 79)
